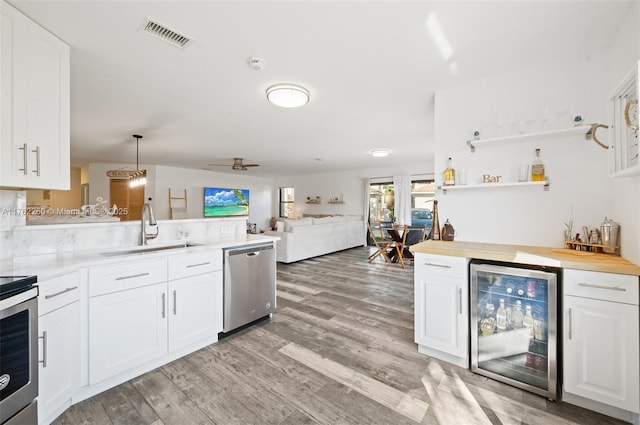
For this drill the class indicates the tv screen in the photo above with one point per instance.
(222, 202)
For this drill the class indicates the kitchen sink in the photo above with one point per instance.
(143, 249)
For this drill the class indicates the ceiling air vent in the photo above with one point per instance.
(164, 33)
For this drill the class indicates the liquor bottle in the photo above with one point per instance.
(501, 317)
(449, 175)
(527, 321)
(537, 168)
(488, 324)
(435, 224)
(517, 317)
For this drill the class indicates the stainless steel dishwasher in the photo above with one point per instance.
(249, 284)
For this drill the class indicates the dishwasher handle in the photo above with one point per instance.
(247, 251)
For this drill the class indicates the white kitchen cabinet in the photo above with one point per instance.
(35, 130)
(442, 307)
(126, 329)
(601, 339)
(195, 310)
(59, 351)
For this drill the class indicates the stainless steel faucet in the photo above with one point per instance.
(144, 236)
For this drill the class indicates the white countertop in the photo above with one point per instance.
(48, 266)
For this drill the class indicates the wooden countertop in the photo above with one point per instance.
(556, 257)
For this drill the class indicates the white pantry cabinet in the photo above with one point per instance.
(35, 127)
(59, 350)
(601, 338)
(442, 307)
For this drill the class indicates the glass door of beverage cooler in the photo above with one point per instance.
(513, 325)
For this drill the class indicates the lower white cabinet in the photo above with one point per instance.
(601, 338)
(442, 307)
(195, 310)
(59, 347)
(126, 329)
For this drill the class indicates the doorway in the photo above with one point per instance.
(128, 199)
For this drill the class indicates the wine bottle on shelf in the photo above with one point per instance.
(501, 317)
(435, 223)
(518, 319)
(527, 321)
(488, 324)
(449, 175)
(537, 168)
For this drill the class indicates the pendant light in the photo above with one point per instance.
(138, 177)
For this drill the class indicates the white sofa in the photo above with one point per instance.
(309, 237)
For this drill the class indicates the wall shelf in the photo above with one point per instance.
(545, 184)
(587, 130)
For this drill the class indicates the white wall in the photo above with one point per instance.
(577, 168)
(348, 184)
(261, 201)
(161, 178)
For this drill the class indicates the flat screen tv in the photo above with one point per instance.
(223, 202)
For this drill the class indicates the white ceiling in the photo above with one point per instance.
(371, 67)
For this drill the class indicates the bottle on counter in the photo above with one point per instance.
(537, 168)
(501, 317)
(449, 175)
(434, 234)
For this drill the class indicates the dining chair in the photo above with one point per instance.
(382, 244)
(400, 242)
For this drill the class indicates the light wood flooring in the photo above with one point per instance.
(339, 350)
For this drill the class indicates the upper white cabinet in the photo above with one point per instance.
(623, 133)
(34, 149)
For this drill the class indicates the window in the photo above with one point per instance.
(286, 202)
(422, 195)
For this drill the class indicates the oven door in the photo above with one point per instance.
(18, 352)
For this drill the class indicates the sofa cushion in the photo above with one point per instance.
(323, 220)
(290, 224)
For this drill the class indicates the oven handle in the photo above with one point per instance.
(44, 349)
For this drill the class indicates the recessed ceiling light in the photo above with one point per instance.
(380, 153)
(288, 95)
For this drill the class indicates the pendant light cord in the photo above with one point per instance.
(137, 137)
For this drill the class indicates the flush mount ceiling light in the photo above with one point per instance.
(380, 153)
(138, 177)
(288, 95)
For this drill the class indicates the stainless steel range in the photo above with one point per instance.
(18, 350)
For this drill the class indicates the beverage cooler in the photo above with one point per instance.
(514, 325)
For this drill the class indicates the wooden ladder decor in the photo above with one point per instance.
(178, 206)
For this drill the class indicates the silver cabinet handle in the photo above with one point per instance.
(175, 303)
(131, 276)
(44, 349)
(460, 299)
(199, 264)
(591, 285)
(164, 312)
(37, 152)
(253, 254)
(24, 161)
(46, 297)
(570, 323)
(446, 266)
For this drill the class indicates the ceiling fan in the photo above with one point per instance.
(237, 165)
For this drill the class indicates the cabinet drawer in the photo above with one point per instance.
(192, 264)
(119, 277)
(601, 286)
(442, 265)
(58, 292)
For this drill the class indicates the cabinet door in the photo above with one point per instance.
(59, 369)
(35, 106)
(601, 351)
(195, 309)
(126, 329)
(441, 303)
